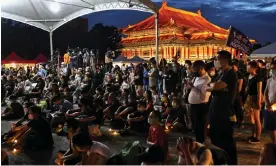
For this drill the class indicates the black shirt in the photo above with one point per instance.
(42, 127)
(221, 107)
(252, 85)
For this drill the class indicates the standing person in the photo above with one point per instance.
(153, 75)
(270, 99)
(253, 103)
(198, 98)
(224, 90)
(145, 77)
(108, 60)
(238, 99)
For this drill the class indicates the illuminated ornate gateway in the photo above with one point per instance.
(188, 33)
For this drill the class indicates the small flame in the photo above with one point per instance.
(110, 129)
(167, 128)
(14, 150)
(116, 133)
(273, 107)
(15, 141)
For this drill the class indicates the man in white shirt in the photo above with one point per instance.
(198, 98)
(93, 153)
(270, 102)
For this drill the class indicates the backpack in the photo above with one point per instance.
(128, 155)
(220, 157)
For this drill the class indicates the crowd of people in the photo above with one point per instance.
(203, 98)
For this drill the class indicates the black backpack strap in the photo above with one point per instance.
(200, 151)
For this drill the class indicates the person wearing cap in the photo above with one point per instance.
(14, 111)
(153, 155)
(93, 152)
(221, 106)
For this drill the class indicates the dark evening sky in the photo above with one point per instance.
(255, 18)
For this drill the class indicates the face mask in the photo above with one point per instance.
(217, 64)
(212, 73)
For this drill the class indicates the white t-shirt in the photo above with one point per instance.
(199, 94)
(205, 158)
(271, 86)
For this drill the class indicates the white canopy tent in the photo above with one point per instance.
(51, 14)
(268, 51)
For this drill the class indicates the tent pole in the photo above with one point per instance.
(157, 37)
(51, 46)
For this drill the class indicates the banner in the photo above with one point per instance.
(236, 39)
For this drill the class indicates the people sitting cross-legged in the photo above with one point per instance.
(72, 156)
(93, 153)
(36, 134)
(14, 111)
(137, 121)
(58, 117)
(175, 119)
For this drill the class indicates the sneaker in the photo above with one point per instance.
(254, 141)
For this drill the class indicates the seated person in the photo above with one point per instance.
(36, 134)
(19, 89)
(157, 135)
(175, 117)
(153, 155)
(268, 154)
(67, 96)
(38, 90)
(166, 106)
(59, 116)
(155, 97)
(112, 105)
(6, 137)
(138, 120)
(99, 93)
(127, 108)
(93, 153)
(72, 156)
(14, 111)
(125, 84)
(189, 153)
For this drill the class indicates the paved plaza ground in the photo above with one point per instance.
(248, 154)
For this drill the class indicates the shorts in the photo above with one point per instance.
(251, 103)
(269, 120)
